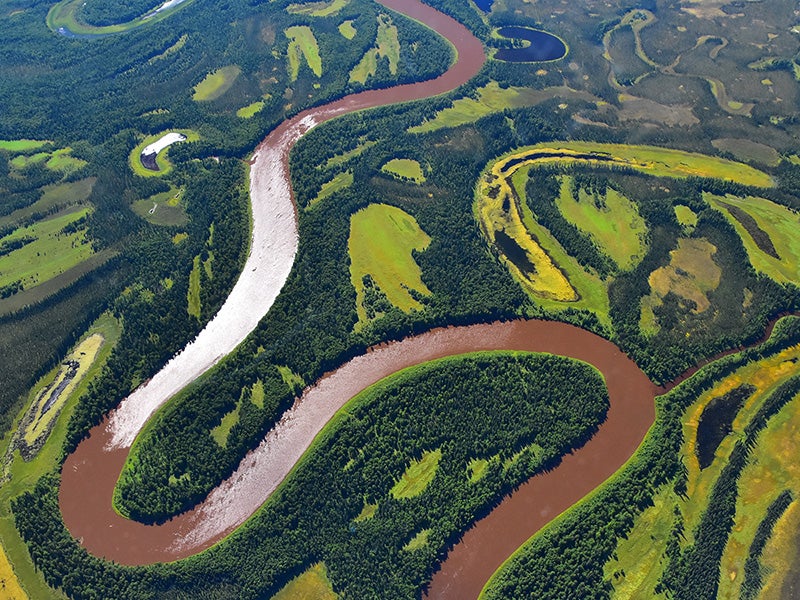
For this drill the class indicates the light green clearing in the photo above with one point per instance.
(221, 432)
(382, 239)
(162, 209)
(22, 145)
(312, 584)
(492, 99)
(418, 541)
(74, 193)
(25, 160)
(216, 83)
(345, 156)
(257, 392)
(193, 295)
(387, 45)
(84, 354)
(171, 50)
(367, 512)
(164, 166)
(24, 475)
(685, 216)
(290, 378)
(534, 451)
(249, 111)
(64, 16)
(302, 44)
(348, 30)
(653, 160)
(404, 168)
(317, 9)
(49, 255)
(616, 228)
(591, 290)
(781, 224)
(476, 469)
(179, 237)
(417, 476)
(61, 160)
(339, 182)
(11, 585)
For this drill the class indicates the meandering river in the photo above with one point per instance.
(90, 473)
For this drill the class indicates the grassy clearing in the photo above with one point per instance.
(312, 584)
(257, 393)
(382, 239)
(492, 99)
(347, 29)
(781, 554)
(216, 83)
(52, 252)
(25, 160)
(640, 557)
(367, 512)
(9, 584)
(350, 154)
(339, 182)
(302, 45)
(250, 111)
(653, 160)
(780, 224)
(23, 145)
(417, 476)
(174, 49)
(164, 166)
(162, 209)
(23, 475)
(54, 394)
(686, 217)
(690, 274)
(476, 469)
(59, 195)
(193, 295)
(61, 160)
(221, 432)
(404, 168)
(613, 222)
(387, 45)
(418, 541)
(772, 468)
(317, 9)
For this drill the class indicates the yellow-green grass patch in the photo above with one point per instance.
(686, 217)
(748, 150)
(342, 158)
(476, 469)
(164, 208)
(164, 166)
(347, 29)
(312, 584)
(51, 399)
(417, 476)
(636, 566)
(652, 160)
(317, 9)
(52, 252)
(367, 512)
(216, 83)
(193, 295)
(221, 432)
(404, 168)
(302, 45)
(339, 182)
(613, 222)
(418, 541)
(387, 45)
(22, 145)
(382, 240)
(59, 195)
(9, 584)
(179, 237)
(24, 475)
(491, 99)
(690, 274)
(781, 225)
(173, 49)
(772, 467)
(62, 160)
(249, 111)
(290, 378)
(25, 160)
(257, 393)
(781, 554)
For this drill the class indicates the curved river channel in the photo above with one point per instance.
(90, 473)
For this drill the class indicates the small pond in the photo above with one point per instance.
(543, 46)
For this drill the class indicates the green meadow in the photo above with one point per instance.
(249, 111)
(302, 45)
(216, 83)
(387, 45)
(417, 476)
(317, 9)
(311, 584)
(405, 168)
(339, 182)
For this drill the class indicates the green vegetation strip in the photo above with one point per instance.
(216, 83)
(18, 146)
(405, 168)
(302, 45)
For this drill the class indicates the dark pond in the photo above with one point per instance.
(484, 5)
(514, 253)
(543, 46)
(717, 420)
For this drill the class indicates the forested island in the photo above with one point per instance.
(537, 334)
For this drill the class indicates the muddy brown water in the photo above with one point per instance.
(90, 473)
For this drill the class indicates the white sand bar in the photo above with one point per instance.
(165, 140)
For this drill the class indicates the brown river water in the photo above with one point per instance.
(90, 473)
